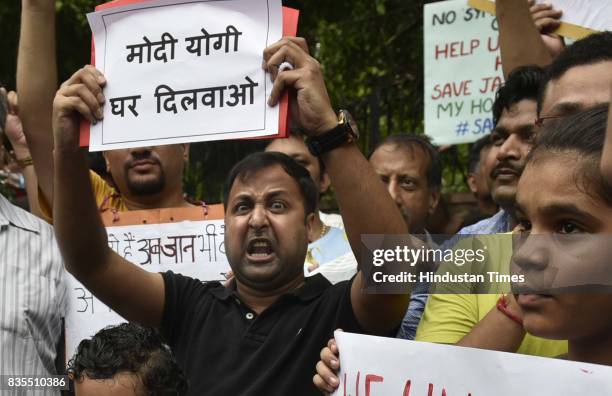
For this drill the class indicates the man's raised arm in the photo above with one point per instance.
(365, 205)
(37, 84)
(525, 33)
(134, 293)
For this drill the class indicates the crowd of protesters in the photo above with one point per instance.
(543, 174)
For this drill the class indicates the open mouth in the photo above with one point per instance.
(260, 250)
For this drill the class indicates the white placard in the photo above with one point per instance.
(462, 71)
(590, 15)
(191, 248)
(392, 367)
(183, 71)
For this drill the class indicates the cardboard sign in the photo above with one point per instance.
(392, 367)
(462, 72)
(193, 248)
(580, 17)
(290, 24)
(182, 71)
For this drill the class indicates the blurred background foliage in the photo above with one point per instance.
(371, 52)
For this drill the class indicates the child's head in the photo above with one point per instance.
(127, 359)
(564, 209)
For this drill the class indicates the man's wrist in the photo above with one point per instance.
(24, 162)
(329, 123)
(21, 152)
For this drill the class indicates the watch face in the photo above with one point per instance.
(348, 118)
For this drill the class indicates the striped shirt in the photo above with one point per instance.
(32, 294)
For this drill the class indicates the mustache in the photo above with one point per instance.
(507, 165)
(147, 156)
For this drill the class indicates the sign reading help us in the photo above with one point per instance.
(392, 367)
(462, 72)
(182, 71)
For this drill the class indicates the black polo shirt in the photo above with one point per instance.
(226, 349)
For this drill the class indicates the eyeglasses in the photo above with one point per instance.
(539, 122)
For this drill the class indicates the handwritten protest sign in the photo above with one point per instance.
(388, 367)
(181, 71)
(580, 17)
(192, 248)
(462, 72)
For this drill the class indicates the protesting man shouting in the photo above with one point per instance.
(262, 334)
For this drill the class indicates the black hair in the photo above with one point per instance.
(523, 83)
(593, 49)
(299, 133)
(583, 133)
(475, 150)
(410, 141)
(256, 162)
(133, 349)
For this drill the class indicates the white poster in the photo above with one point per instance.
(580, 17)
(393, 367)
(191, 248)
(182, 71)
(462, 72)
(591, 14)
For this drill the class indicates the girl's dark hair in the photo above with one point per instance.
(583, 133)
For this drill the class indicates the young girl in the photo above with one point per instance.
(564, 244)
(564, 208)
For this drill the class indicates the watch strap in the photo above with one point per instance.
(318, 145)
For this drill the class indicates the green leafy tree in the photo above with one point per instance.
(371, 52)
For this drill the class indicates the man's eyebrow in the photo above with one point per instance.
(240, 197)
(567, 209)
(276, 193)
(565, 108)
(526, 128)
